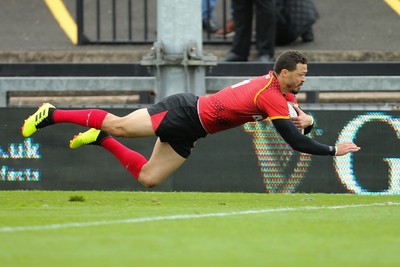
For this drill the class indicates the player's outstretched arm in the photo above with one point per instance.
(346, 147)
(304, 144)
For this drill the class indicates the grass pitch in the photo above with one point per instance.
(41, 228)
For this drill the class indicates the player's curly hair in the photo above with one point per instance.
(289, 60)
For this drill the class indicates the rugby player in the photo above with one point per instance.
(180, 120)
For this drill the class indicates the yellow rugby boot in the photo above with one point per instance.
(90, 137)
(41, 118)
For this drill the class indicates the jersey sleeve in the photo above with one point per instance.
(274, 105)
(301, 142)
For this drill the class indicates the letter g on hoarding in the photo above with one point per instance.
(344, 164)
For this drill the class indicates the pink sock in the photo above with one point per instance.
(131, 160)
(92, 118)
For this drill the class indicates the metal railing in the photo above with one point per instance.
(131, 22)
(213, 84)
(100, 78)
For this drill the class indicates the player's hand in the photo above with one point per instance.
(346, 147)
(303, 120)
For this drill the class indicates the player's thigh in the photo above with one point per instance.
(163, 162)
(136, 124)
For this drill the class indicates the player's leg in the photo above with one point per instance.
(47, 115)
(163, 161)
(137, 124)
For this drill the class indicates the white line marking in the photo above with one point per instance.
(12, 229)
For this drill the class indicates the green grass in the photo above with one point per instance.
(363, 235)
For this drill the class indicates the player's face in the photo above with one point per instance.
(296, 78)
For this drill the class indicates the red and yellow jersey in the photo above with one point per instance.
(250, 100)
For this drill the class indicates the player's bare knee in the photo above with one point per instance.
(116, 131)
(147, 183)
(148, 180)
(114, 128)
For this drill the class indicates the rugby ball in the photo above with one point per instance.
(293, 112)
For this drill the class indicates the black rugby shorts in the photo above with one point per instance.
(176, 121)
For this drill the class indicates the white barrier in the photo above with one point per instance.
(213, 84)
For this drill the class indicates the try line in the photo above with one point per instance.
(11, 229)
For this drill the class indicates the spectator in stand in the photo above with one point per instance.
(207, 13)
(295, 19)
(229, 29)
(265, 30)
